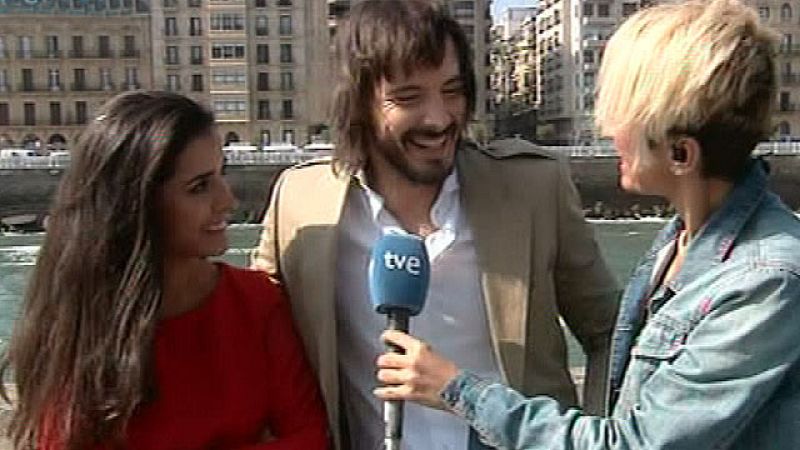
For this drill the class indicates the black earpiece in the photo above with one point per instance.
(679, 153)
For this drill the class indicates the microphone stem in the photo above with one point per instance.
(397, 319)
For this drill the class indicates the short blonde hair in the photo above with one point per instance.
(699, 68)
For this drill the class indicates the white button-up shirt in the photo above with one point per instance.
(453, 320)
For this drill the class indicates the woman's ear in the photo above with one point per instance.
(686, 156)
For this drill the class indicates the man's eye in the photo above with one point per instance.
(454, 91)
(405, 99)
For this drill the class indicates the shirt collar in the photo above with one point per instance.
(440, 210)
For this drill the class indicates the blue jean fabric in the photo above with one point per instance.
(710, 360)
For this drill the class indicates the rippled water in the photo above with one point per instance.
(622, 242)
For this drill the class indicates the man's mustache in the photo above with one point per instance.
(430, 132)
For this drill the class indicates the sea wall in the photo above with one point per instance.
(29, 191)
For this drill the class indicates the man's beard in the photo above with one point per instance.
(434, 172)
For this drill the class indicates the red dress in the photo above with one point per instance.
(228, 370)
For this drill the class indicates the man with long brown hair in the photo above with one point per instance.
(509, 248)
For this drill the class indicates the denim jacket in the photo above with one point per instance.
(710, 360)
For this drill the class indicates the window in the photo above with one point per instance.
(129, 46)
(288, 136)
(628, 9)
(27, 79)
(25, 46)
(195, 26)
(51, 44)
(603, 10)
(265, 137)
(4, 114)
(287, 81)
(263, 81)
(194, 3)
(170, 3)
(78, 79)
(196, 55)
(55, 113)
(286, 53)
(103, 46)
(172, 56)
(197, 82)
(227, 51)
(77, 46)
(786, 12)
(3, 80)
(588, 56)
(106, 83)
(285, 25)
(230, 107)
(173, 83)
(53, 79)
(284, 2)
(262, 54)
(261, 26)
(288, 110)
(132, 78)
(3, 53)
(227, 22)
(763, 12)
(80, 113)
(228, 78)
(588, 9)
(29, 113)
(170, 26)
(263, 110)
(261, 3)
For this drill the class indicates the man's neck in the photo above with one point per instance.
(409, 202)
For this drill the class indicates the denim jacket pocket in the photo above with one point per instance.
(661, 339)
(660, 342)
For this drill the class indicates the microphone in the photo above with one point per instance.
(399, 273)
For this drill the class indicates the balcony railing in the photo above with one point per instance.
(97, 54)
(790, 78)
(39, 54)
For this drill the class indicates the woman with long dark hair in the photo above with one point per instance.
(129, 336)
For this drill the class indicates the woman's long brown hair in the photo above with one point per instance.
(80, 352)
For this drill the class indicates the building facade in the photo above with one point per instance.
(784, 18)
(514, 76)
(60, 60)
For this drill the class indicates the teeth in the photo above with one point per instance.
(435, 142)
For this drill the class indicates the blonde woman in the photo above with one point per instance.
(706, 353)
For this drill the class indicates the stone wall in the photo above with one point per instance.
(29, 191)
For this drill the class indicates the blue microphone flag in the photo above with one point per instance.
(399, 273)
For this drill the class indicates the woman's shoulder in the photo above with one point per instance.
(252, 285)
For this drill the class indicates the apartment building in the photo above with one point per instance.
(784, 18)
(257, 63)
(571, 37)
(60, 60)
(514, 77)
(476, 20)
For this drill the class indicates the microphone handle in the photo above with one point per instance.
(397, 319)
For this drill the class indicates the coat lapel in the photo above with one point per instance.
(502, 229)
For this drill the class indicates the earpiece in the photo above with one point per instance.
(679, 153)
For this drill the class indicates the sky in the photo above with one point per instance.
(500, 5)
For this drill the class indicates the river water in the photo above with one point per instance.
(622, 243)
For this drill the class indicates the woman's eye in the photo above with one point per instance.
(199, 187)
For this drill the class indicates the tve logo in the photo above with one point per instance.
(409, 263)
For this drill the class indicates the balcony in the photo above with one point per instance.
(39, 54)
(130, 53)
(790, 79)
(99, 54)
(789, 49)
(787, 107)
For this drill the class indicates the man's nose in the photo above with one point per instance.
(436, 113)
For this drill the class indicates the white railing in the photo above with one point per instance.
(291, 158)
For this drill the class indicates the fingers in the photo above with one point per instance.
(393, 361)
(403, 340)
